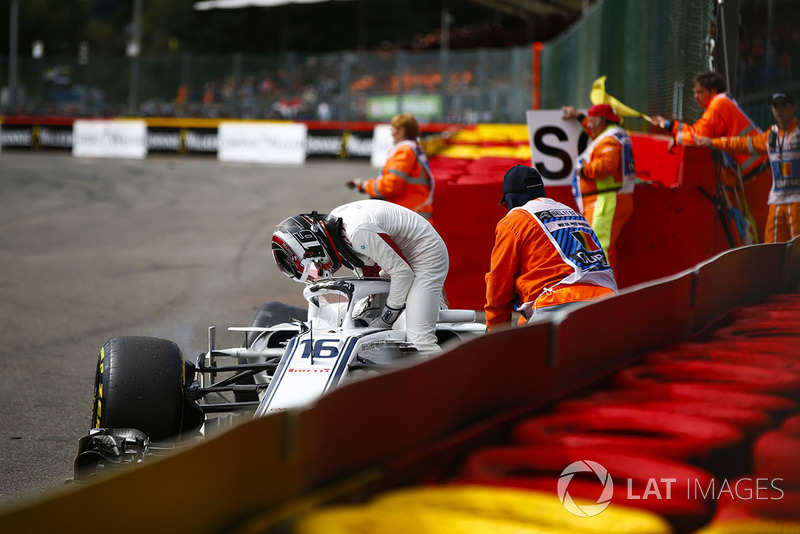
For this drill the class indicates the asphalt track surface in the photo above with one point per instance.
(96, 248)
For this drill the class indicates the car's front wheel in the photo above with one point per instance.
(140, 383)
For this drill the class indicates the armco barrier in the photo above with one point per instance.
(353, 438)
(749, 269)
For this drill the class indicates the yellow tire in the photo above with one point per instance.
(475, 509)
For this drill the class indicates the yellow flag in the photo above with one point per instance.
(599, 96)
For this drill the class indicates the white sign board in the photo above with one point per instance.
(382, 143)
(109, 139)
(555, 145)
(276, 143)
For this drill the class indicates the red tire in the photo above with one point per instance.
(747, 420)
(764, 315)
(792, 425)
(782, 345)
(727, 355)
(773, 404)
(650, 432)
(754, 328)
(736, 377)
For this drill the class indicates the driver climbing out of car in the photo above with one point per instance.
(372, 237)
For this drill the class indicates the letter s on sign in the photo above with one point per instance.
(539, 142)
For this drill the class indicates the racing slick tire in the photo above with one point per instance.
(140, 383)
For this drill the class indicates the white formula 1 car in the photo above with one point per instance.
(146, 396)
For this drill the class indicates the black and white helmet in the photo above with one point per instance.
(303, 248)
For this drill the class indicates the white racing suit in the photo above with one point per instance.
(410, 252)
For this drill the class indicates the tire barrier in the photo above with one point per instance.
(465, 509)
(777, 317)
(649, 432)
(735, 377)
(747, 420)
(763, 316)
(732, 356)
(745, 329)
(687, 392)
(637, 479)
(789, 302)
(779, 345)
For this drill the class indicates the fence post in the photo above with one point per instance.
(13, 23)
(484, 96)
(237, 80)
(536, 81)
(344, 85)
(135, 52)
(401, 67)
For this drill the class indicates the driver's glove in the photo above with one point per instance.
(387, 318)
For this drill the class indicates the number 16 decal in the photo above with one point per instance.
(323, 348)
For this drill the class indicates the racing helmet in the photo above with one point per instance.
(303, 249)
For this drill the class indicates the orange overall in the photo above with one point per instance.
(405, 179)
(605, 179)
(723, 118)
(527, 266)
(783, 148)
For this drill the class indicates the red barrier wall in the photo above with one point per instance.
(674, 225)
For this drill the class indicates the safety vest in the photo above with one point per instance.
(723, 118)
(576, 243)
(783, 147)
(581, 188)
(414, 197)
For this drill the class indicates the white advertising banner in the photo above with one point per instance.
(555, 145)
(277, 143)
(109, 139)
(381, 144)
